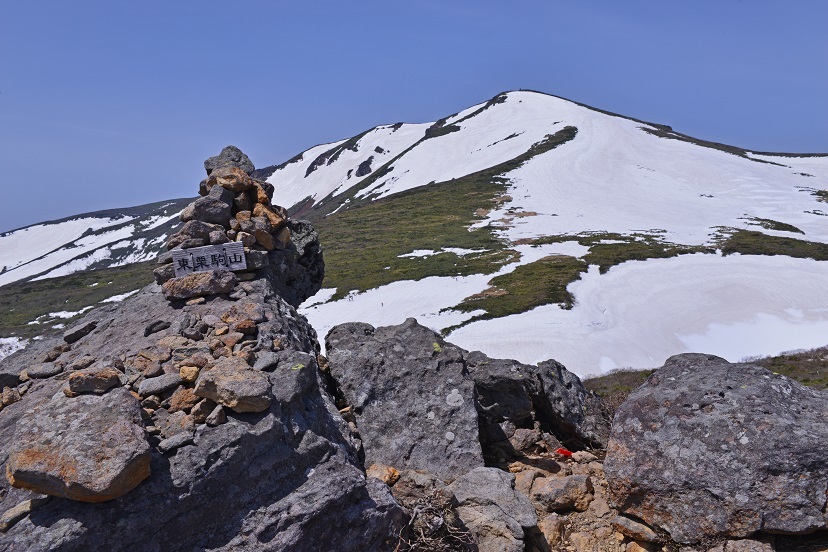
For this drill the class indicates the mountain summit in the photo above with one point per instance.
(512, 226)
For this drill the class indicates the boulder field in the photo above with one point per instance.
(198, 414)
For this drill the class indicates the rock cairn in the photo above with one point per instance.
(235, 207)
(203, 407)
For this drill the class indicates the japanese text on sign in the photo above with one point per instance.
(227, 256)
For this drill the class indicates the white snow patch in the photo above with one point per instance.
(424, 299)
(22, 246)
(763, 334)
(9, 345)
(77, 265)
(121, 297)
(69, 314)
(459, 251)
(420, 253)
(641, 312)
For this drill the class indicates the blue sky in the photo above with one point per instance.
(113, 104)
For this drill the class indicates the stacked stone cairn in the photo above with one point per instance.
(189, 370)
(234, 207)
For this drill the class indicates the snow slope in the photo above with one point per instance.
(617, 175)
(636, 315)
(104, 239)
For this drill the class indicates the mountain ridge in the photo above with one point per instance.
(468, 205)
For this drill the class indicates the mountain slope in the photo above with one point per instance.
(531, 227)
(477, 220)
(110, 238)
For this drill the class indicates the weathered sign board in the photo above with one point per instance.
(227, 256)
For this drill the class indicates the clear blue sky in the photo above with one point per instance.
(110, 104)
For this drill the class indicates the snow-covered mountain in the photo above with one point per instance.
(533, 227)
(608, 182)
(102, 239)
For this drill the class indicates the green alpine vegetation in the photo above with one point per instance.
(364, 241)
(24, 302)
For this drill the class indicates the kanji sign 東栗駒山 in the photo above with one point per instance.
(226, 256)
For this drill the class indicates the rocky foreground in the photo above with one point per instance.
(198, 415)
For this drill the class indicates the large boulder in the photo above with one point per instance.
(89, 448)
(423, 404)
(286, 478)
(413, 403)
(708, 448)
(230, 156)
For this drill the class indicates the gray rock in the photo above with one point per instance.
(230, 156)
(23, 509)
(78, 331)
(208, 209)
(156, 326)
(296, 273)
(216, 417)
(176, 441)
(9, 375)
(254, 259)
(267, 361)
(97, 453)
(288, 478)
(199, 284)
(413, 402)
(193, 230)
(493, 511)
(558, 494)
(634, 529)
(221, 194)
(218, 238)
(156, 386)
(95, 381)
(240, 390)
(707, 448)
(421, 403)
(163, 274)
(84, 361)
(44, 370)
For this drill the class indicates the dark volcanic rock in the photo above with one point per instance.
(413, 402)
(78, 331)
(230, 156)
(706, 448)
(422, 403)
(287, 478)
(297, 271)
(50, 452)
(211, 210)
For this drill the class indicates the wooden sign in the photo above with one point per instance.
(227, 256)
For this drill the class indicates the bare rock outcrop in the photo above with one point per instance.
(201, 421)
(421, 403)
(706, 448)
